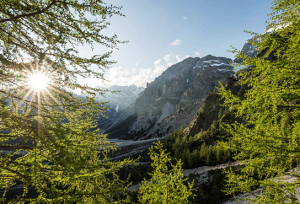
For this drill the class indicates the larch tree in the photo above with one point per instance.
(49, 143)
(167, 185)
(267, 142)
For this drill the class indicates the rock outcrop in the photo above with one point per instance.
(248, 49)
(171, 99)
(212, 108)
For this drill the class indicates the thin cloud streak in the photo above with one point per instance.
(139, 76)
(176, 42)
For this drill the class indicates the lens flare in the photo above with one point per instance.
(38, 81)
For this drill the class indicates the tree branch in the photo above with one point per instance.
(16, 147)
(29, 14)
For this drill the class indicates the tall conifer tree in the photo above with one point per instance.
(166, 185)
(269, 138)
(48, 141)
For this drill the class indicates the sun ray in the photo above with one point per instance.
(60, 92)
(45, 57)
(23, 65)
(50, 65)
(39, 110)
(57, 102)
(37, 64)
(45, 97)
(26, 95)
(40, 87)
(31, 67)
(31, 101)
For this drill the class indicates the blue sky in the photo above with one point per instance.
(164, 32)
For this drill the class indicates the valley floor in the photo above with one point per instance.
(130, 148)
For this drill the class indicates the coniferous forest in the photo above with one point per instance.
(53, 151)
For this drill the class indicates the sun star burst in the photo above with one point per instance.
(38, 81)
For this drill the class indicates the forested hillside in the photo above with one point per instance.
(258, 123)
(242, 135)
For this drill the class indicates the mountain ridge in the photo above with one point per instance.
(174, 94)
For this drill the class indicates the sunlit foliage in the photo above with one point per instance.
(166, 185)
(269, 138)
(51, 151)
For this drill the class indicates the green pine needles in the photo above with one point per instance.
(268, 141)
(51, 151)
(167, 185)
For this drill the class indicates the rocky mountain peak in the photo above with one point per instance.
(182, 84)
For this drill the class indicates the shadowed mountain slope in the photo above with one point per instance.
(171, 99)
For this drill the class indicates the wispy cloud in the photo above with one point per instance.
(176, 42)
(197, 53)
(167, 57)
(138, 76)
(184, 17)
(179, 59)
(123, 77)
(157, 62)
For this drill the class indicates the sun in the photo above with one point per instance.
(38, 81)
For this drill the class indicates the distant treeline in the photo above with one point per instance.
(201, 149)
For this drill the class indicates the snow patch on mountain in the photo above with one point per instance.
(223, 70)
(154, 112)
(117, 108)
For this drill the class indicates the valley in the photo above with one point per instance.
(182, 108)
(185, 117)
(154, 110)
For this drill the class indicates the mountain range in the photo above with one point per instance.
(118, 101)
(118, 98)
(171, 99)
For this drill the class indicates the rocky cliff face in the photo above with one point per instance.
(213, 104)
(212, 108)
(171, 99)
(248, 49)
